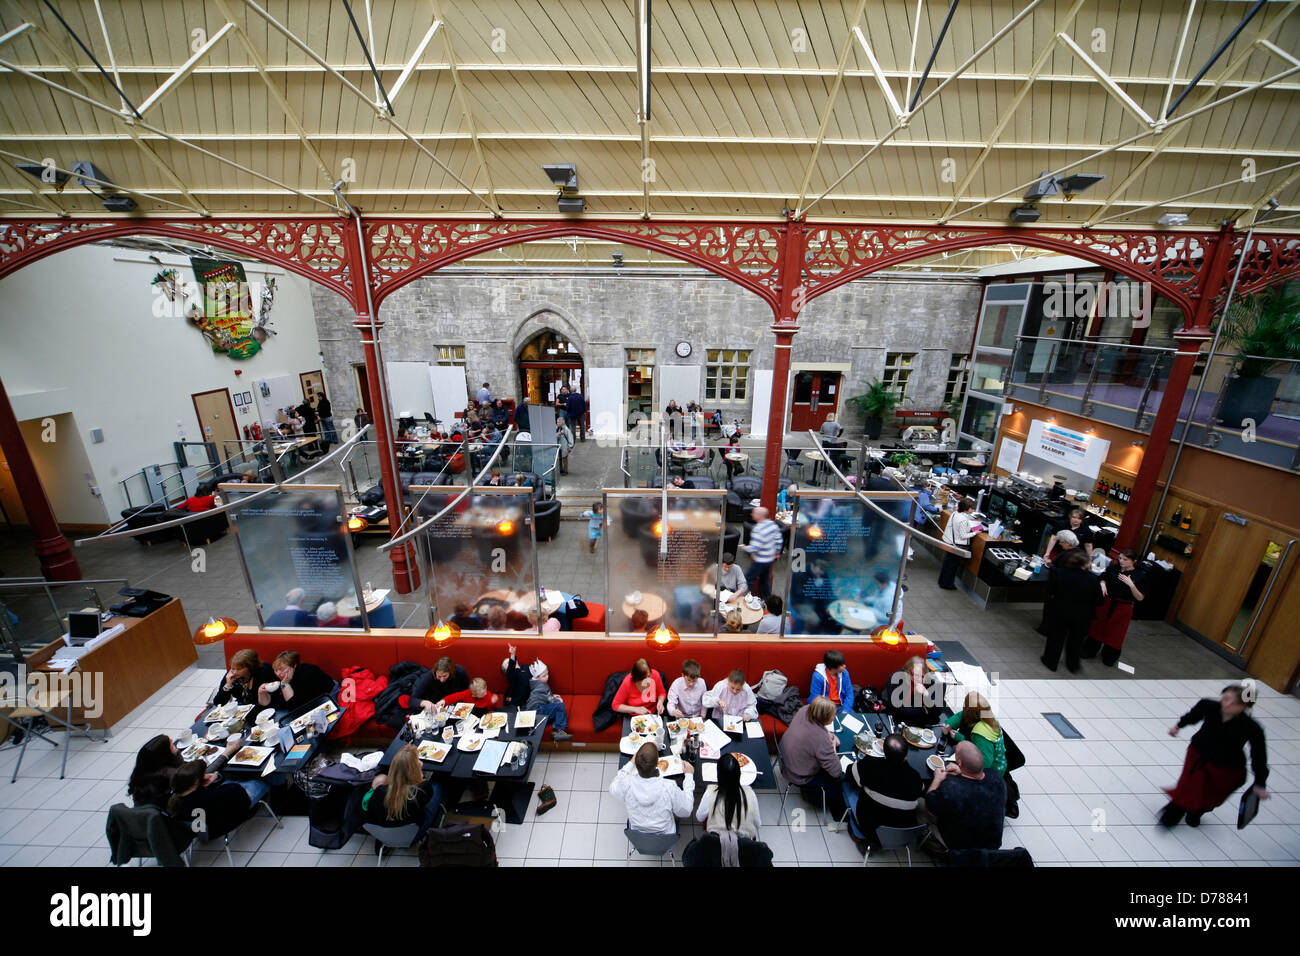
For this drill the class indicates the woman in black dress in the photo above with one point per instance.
(1215, 764)
(1073, 593)
(914, 696)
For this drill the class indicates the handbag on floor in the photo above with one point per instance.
(464, 845)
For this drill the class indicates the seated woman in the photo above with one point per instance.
(203, 499)
(977, 724)
(295, 683)
(402, 795)
(642, 692)
(913, 695)
(150, 784)
(729, 804)
(209, 806)
(244, 676)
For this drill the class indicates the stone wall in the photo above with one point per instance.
(605, 312)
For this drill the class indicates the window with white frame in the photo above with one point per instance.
(726, 375)
(451, 355)
(898, 369)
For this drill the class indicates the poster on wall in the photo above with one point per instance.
(225, 312)
(1076, 451)
(1009, 455)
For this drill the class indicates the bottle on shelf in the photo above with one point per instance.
(1176, 519)
(1187, 522)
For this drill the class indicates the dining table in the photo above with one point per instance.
(512, 789)
(916, 756)
(754, 747)
(284, 765)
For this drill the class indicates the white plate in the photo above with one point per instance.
(434, 751)
(733, 725)
(265, 716)
(525, 719)
(646, 724)
(632, 743)
(254, 756)
(225, 712)
(470, 743)
(671, 766)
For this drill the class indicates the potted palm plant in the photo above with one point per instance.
(1265, 330)
(875, 403)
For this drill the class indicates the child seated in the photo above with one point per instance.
(686, 694)
(542, 700)
(477, 695)
(732, 697)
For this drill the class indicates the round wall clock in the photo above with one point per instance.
(683, 349)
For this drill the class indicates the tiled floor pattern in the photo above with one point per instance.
(1085, 802)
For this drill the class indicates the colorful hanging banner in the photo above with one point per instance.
(226, 317)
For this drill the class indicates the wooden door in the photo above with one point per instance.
(1272, 651)
(313, 383)
(216, 417)
(816, 396)
(1234, 569)
(363, 393)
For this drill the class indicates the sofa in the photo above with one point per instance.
(580, 663)
(205, 528)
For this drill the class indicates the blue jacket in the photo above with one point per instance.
(575, 406)
(821, 686)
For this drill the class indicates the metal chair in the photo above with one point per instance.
(142, 837)
(34, 703)
(779, 764)
(651, 844)
(397, 838)
(226, 838)
(891, 838)
(792, 461)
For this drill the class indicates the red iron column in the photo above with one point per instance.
(1194, 334)
(792, 295)
(52, 548)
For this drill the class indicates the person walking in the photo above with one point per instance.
(575, 406)
(673, 413)
(1215, 764)
(1122, 584)
(961, 529)
(764, 547)
(595, 525)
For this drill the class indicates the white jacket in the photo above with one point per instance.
(653, 803)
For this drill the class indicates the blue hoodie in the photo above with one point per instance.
(821, 687)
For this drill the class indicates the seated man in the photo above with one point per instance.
(891, 790)
(292, 614)
(831, 680)
(732, 697)
(445, 678)
(686, 694)
(731, 578)
(808, 754)
(653, 802)
(967, 803)
(770, 622)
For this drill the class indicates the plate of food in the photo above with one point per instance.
(251, 756)
(733, 725)
(743, 760)
(671, 766)
(201, 751)
(471, 743)
(467, 724)
(632, 743)
(646, 724)
(226, 711)
(525, 719)
(919, 736)
(694, 724)
(676, 727)
(263, 733)
(434, 751)
(877, 748)
(494, 721)
(934, 762)
(462, 710)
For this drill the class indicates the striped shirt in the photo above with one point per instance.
(765, 541)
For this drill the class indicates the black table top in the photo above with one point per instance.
(916, 756)
(459, 764)
(283, 766)
(753, 747)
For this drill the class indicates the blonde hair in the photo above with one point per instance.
(977, 709)
(404, 776)
(478, 687)
(821, 711)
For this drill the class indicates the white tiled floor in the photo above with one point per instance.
(1087, 802)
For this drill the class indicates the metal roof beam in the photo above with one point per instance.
(98, 182)
(185, 69)
(466, 110)
(1174, 200)
(415, 59)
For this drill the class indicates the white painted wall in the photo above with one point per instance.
(410, 389)
(605, 400)
(80, 335)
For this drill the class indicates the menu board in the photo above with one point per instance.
(1072, 450)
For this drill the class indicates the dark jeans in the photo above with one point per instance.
(555, 710)
(948, 573)
(1109, 655)
(759, 578)
(832, 787)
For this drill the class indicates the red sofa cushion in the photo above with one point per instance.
(594, 621)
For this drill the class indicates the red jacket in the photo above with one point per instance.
(630, 695)
(360, 688)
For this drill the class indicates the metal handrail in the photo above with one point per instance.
(112, 534)
(1052, 338)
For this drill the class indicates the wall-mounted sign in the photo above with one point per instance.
(1077, 451)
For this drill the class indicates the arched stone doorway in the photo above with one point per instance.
(549, 356)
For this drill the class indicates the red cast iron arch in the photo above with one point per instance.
(1172, 262)
(403, 250)
(1272, 260)
(315, 249)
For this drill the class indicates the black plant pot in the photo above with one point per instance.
(1248, 398)
(872, 425)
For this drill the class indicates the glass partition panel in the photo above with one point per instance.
(482, 557)
(297, 556)
(845, 563)
(34, 612)
(666, 574)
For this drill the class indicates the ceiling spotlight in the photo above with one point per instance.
(618, 259)
(1025, 213)
(46, 174)
(564, 176)
(1172, 219)
(119, 203)
(571, 204)
(1046, 186)
(1073, 185)
(1070, 186)
(89, 175)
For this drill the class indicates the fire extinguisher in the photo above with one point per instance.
(257, 431)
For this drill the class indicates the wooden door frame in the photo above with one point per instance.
(199, 418)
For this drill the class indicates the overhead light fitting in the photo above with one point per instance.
(564, 176)
(1172, 219)
(662, 638)
(440, 635)
(217, 629)
(571, 204)
(46, 174)
(1025, 213)
(1069, 186)
(119, 203)
(618, 259)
